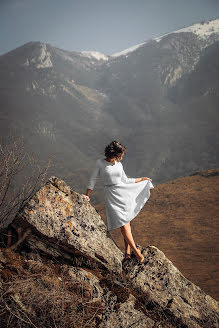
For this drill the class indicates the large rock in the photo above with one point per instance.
(163, 289)
(127, 316)
(64, 224)
(118, 310)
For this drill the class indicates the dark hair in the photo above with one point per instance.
(114, 149)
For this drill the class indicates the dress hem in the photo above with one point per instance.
(140, 208)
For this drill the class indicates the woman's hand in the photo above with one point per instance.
(145, 178)
(85, 197)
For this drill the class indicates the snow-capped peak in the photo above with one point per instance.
(202, 29)
(126, 51)
(94, 54)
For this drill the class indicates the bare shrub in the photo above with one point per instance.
(21, 175)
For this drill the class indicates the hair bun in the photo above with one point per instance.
(114, 149)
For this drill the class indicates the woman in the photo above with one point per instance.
(124, 197)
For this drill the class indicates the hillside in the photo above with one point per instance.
(181, 218)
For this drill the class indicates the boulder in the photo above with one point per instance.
(164, 290)
(127, 316)
(63, 224)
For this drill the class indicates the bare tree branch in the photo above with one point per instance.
(21, 175)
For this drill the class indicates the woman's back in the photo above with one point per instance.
(110, 173)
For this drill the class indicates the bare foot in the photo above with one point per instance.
(140, 257)
(127, 256)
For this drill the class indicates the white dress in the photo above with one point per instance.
(123, 197)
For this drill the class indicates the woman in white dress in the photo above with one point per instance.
(124, 197)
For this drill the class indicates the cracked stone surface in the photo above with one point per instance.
(165, 289)
(59, 216)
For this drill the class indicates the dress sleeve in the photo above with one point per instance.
(94, 176)
(125, 179)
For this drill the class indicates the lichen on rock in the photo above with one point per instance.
(58, 215)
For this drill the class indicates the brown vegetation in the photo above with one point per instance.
(35, 294)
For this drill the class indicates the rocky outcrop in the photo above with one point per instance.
(63, 224)
(127, 316)
(164, 289)
(64, 228)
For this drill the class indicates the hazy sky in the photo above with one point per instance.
(107, 26)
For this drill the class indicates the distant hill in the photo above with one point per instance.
(181, 219)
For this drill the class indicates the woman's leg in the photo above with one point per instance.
(127, 249)
(127, 246)
(127, 234)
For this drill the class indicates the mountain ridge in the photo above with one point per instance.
(202, 29)
(64, 102)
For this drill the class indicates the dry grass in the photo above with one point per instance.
(39, 295)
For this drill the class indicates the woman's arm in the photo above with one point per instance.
(92, 181)
(124, 177)
(142, 179)
(88, 192)
(93, 177)
(132, 180)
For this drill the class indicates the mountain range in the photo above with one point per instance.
(160, 99)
